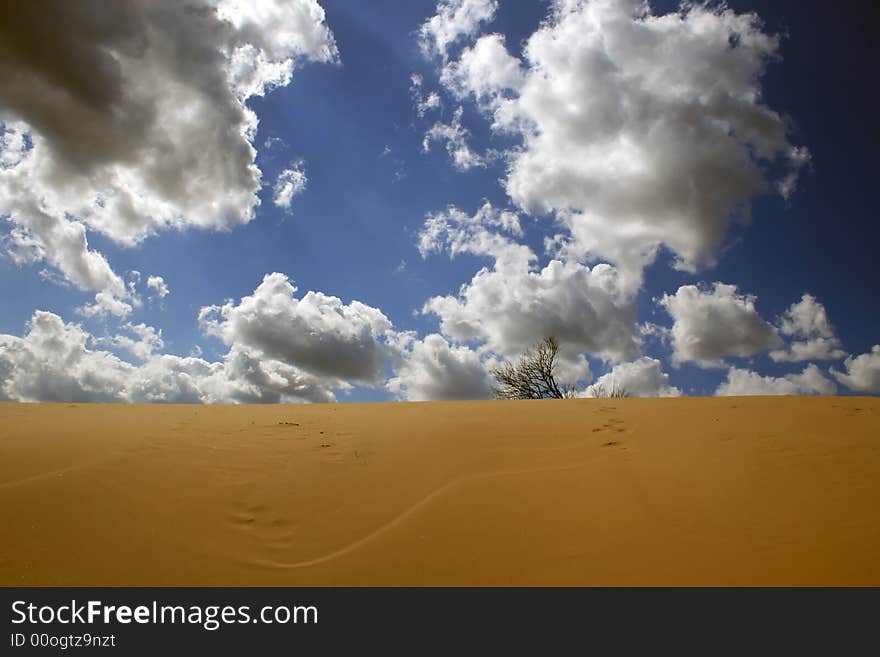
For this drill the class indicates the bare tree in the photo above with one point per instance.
(614, 391)
(531, 377)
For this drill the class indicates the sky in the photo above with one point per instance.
(236, 202)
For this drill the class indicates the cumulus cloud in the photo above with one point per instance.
(157, 283)
(54, 362)
(710, 324)
(806, 322)
(640, 378)
(130, 118)
(637, 130)
(813, 349)
(432, 369)
(241, 377)
(745, 382)
(454, 20)
(455, 136)
(273, 36)
(862, 372)
(281, 348)
(105, 304)
(249, 376)
(512, 304)
(485, 71)
(289, 183)
(316, 333)
(147, 340)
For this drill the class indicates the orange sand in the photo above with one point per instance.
(620, 492)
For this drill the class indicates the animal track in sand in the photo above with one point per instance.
(261, 521)
(404, 515)
(614, 424)
(76, 467)
(60, 472)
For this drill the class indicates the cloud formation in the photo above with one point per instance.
(59, 362)
(713, 323)
(290, 182)
(454, 20)
(745, 382)
(105, 304)
(147, 340)
(52, 363)
(640, 378)
(432, 369)
(455, 136)
(512, 304)
(316, 333)
(637, 130)
(485, 71)
(422, 103)
(130, 118)
(157, 283)
(862, 372)
(813, 338)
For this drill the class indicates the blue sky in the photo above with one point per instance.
(347, 118)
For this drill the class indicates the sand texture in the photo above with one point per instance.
(724, 491)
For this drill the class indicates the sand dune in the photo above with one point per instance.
(680, 491)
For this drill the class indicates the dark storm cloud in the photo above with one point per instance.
(126, 118)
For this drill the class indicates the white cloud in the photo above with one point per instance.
(149, 340)
(241, 377)
(637, 130)
(513, 304)
(120, 305)
(711, 324)
(158, 284)
(485, 233)
(428, 103)
(487, 71)
(640, 378)
(105, 304)
(423, 103)
(862, 372)
(744, 382)
(290, 182)
(807, 320)
(136, 121)
(315, 333)
(281, 348)
(812, 349)
(454, 20)
(252, 377)
(274, 35)
(282, 29)
(456, 136)
(662, 334)
(54, 363)
(432, 369)
(174, 380)
(14, 144)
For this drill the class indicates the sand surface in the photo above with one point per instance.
(614, 492)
